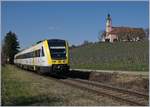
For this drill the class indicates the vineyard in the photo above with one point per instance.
(133, 56)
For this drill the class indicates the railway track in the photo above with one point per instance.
(124, 95)
(128, 96)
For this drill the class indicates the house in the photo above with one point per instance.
(121, 33)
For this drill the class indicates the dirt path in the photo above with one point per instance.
(145, 73)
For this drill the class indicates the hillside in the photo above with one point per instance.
(132, 56)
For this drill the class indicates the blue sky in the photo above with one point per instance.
(72, 21)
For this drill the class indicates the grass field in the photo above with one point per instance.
(23, 88)
(132, 56)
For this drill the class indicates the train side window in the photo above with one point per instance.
(35, 54)
(32, 54)
(38, 52)
(42, 52)
(26, 55)
(29, 55)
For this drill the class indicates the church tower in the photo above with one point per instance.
(108, 24)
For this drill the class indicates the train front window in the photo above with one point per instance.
(57, 48)
(58, 53)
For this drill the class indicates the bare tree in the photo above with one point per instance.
(101, 35)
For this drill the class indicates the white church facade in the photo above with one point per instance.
(113, 32)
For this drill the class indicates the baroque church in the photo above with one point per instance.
(113, 32)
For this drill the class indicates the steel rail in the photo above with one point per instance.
(98, 84)
(80, 85)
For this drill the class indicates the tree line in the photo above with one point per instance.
(10, 47)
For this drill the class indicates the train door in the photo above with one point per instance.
(42, 59)
(33, 60)
(41, 52)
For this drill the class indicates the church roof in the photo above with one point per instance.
(116, 30)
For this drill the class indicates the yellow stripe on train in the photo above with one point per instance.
(46, 47)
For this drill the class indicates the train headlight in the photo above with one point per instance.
(58, 67)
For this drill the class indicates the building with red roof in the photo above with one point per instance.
(113, 33)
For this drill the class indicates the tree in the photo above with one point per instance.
(73, 46)
(85, 42)
(102, 35)
(3, 57)
(10, 46)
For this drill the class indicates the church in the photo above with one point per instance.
(112, 33)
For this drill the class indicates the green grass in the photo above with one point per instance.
(12, 89)
(23, 88)
(19, 89)
(133, 56)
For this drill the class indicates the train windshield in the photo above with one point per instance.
(58, 53)
(57, 49)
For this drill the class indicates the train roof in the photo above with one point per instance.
(50, 40)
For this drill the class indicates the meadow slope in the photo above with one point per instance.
(133, 56)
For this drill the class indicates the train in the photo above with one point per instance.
(47, 56)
